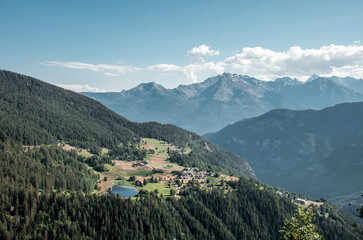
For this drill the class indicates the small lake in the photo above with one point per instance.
(124, 191)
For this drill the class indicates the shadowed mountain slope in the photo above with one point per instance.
(315, 153)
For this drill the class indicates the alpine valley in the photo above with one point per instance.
(59, 149)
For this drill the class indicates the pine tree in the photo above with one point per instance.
(300, 227)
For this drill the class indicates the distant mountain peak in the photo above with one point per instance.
(149, 86)
(313, 77)
(288, 80)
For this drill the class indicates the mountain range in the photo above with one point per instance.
(313, 152)
(224, 99)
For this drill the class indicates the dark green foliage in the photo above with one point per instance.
(41, 113)
(128, 152)
(44, 168)
(150, 180)
(193, 159)
(248, 212)
(197, 215)
(336, 222)
(53, 216)
(155, 170)
(97, 162)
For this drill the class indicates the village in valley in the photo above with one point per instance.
(155, 173)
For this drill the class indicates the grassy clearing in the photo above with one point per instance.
(211, 181)
(104, 151)
(163, 154)
(139, 172)
(158, 145)
(161, 187)
(303, 207)
(122, 183)
(168, 166)
(110, 167)
(187, 150)
(85, 153)
(161, 147)
(80, 151)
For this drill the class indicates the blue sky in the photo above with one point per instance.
(114, 45)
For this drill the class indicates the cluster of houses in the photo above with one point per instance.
(140, 163)
(300, 201)
(296, 200)
(194, 173)
(281, 194)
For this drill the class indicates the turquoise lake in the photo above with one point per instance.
(124, 191)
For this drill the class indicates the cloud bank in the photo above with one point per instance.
(263, 63)
(80, 88)
(266, 64)
(298, 62)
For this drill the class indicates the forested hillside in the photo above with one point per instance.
(33, 112)
(47, 192)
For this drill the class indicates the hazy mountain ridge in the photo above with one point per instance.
(316, 153)
(349, 82)
(210, 105)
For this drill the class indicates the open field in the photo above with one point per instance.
(80, 151)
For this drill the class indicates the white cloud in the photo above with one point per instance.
(112, 74)
(164, 67)
(197, 53)
(110, 70)
(297, 62)
(80, 88)
(191, 70)
(203, 50)
(347, 71)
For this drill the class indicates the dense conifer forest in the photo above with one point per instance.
(49, 193)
